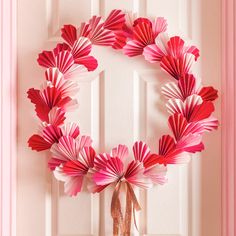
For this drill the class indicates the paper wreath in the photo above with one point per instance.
(72, 156)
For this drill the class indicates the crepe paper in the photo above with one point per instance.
(73, 159)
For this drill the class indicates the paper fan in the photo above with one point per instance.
(141, 151)
(115, 20)
(98, 34)
(159, 25)
(69, 34)
(177, 67)
(208, 93)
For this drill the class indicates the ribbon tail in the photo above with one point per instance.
(128, 214)
(116, 211)
(135, 204)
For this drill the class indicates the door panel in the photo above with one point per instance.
(119, 103)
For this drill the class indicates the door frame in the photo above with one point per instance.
(228, 190)
(8, 117)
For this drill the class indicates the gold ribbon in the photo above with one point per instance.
(119, 224)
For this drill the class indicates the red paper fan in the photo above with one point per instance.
(208, 93)
(115, 20)
(69, 34)
(177, 67)
(98, 34)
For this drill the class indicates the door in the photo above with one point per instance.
(119, 103)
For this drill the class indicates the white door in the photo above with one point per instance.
(119, 103)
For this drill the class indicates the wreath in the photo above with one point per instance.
(73, 159)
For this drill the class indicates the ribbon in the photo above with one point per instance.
(116, 210)
(119, 224)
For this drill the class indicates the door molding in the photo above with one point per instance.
(8, 111)
(228, 117)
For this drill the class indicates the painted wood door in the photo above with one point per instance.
(119, 103)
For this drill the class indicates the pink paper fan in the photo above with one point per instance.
(100, 161)
(133, 48)
(121, 151)
(135, 175)
(152, 53)
(80, 51)
(56, 116)
(157, 174)
(191, 143)
(71, 129)
(81, 47)
(186, 108)
(171, 90)
(66, 149)
(159, 25)
(72, 185)
(141, 151)
(87, 156)
(112, 173)
(66, 87)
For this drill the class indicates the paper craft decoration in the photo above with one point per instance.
(73, 158)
